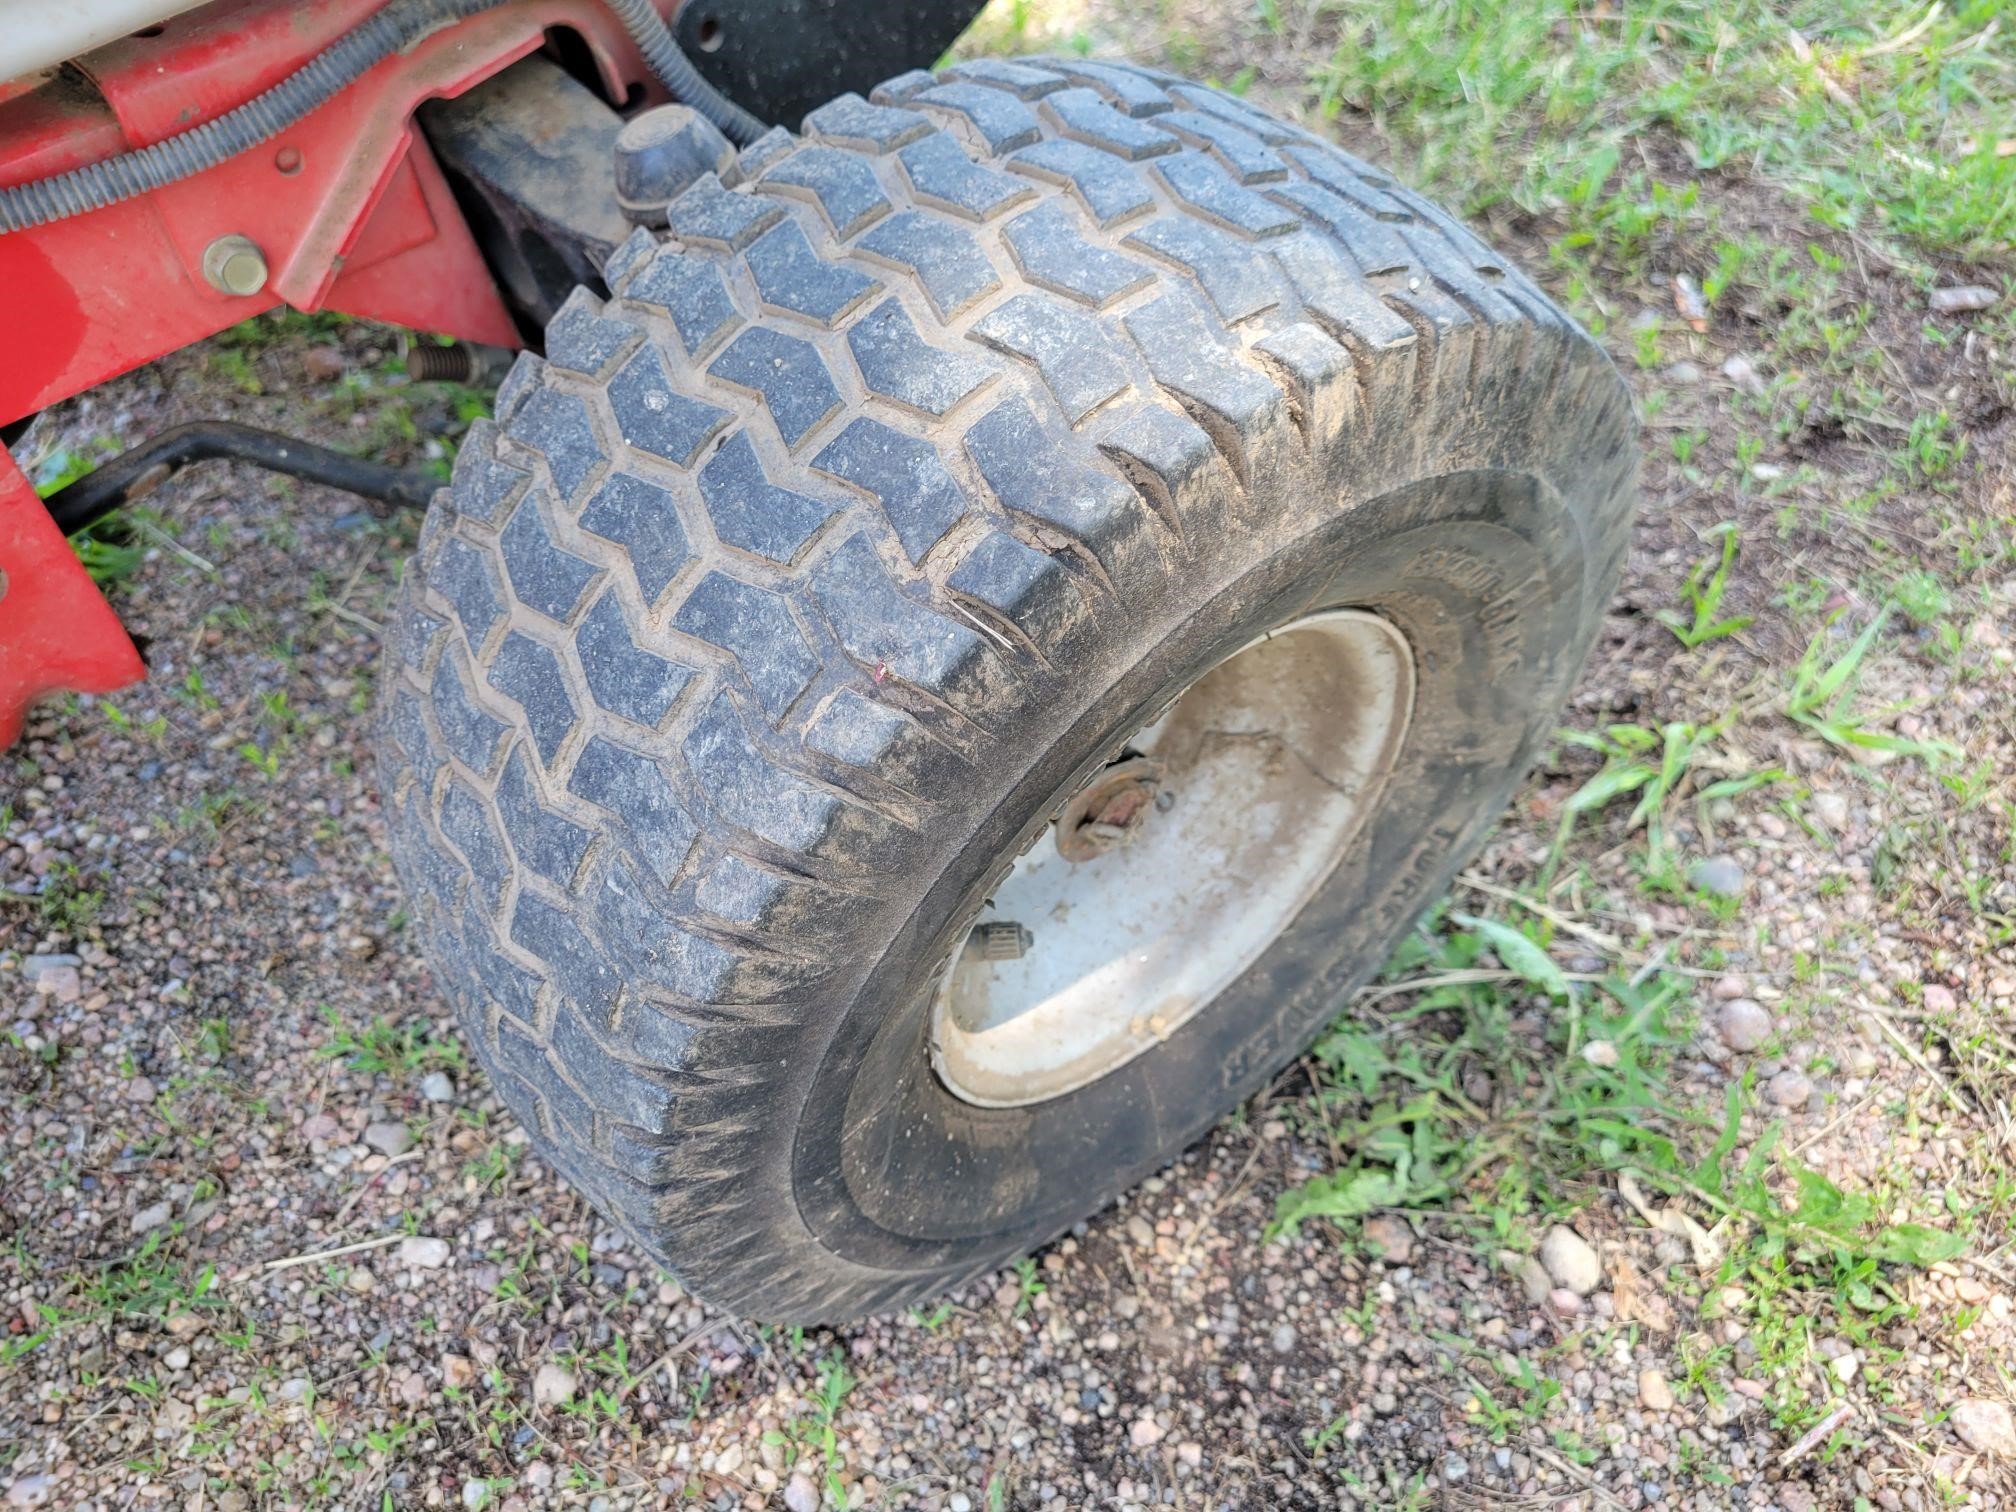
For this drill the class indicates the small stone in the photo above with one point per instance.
(1454, 1468)
(326, 365)
(1654, 1391)
(1720, 875)
(1571, 1260)
(1743, 1024)
(176, 1358)
(800, 1495)
(1742, 372)
(1830, 810)
(1938, 998)
(1601, 1053)
(437, 1086)
(1683, 372)
(1564, 1301)
(53, 976)
(1844, 1367)
(423, 1253)
(1531, 1275)
(1390, 1239)
(1730, 987)
(1789, 1089)
(554, 1384)
(1283, 1338)
(1191, 1453)
(140, 1090)
(458, 1372)
(475, 1493)
(31, 1491)
(389, 1138)
(960, 1502)
(729, 1460)
(1985, 1427)
(152, 1217)
(1145, 1434)
(1962, 298)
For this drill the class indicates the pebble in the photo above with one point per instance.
(1283, 1338)
(1454, 1468)
(31, 1491)
(1985, 1427)
(1531, 1275)
(1938, 998)
(176, 1358)
(1742, 372)
(437, 1086)
(1962, 298)
(1743, 1024)
(1720, 875)
(1830, 811)
(1390, 1239)
(1654, 1391)
(475, 1493)
(1570, 1260)
(1601, 1053)
(423, 1253)
(1564, 1301)
(552, 1385)
(1683, 372)
(800, 1495)
(152, 1217)
(1789, 1089)
(388, 1138)
(458, 1373)
(1145, 1434)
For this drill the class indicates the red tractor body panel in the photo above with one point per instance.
(348, 206)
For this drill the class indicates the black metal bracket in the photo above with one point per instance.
(781, 58)
(134, 474)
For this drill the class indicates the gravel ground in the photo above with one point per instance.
(270, 1241)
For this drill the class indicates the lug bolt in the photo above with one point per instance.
(234, 265)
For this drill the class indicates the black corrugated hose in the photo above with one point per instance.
(375, 38)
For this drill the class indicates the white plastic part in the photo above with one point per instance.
(1270, 764)
(37, 34)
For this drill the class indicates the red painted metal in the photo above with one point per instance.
(348, 205)
(56, 630)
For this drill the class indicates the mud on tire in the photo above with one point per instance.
(793, 589)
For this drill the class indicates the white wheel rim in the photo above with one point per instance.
(1269, 765)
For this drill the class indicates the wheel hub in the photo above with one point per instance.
(1176, 866)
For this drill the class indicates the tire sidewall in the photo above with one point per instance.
(1482, 571)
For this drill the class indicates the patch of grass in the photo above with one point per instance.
(1657, 765)
(1822, 697)
(383, 1048)
(1873, 122)
(1706, 582)
(816, 1433)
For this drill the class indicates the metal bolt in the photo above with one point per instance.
(234, 265)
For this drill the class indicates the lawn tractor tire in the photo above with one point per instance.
(943, 683)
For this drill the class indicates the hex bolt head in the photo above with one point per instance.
(234, 265)
(660, 154)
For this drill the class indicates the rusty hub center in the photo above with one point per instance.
(1110, 811)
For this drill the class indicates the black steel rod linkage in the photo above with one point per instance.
(134, 474)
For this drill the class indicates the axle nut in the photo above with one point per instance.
(660, 154)
(234, 265)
